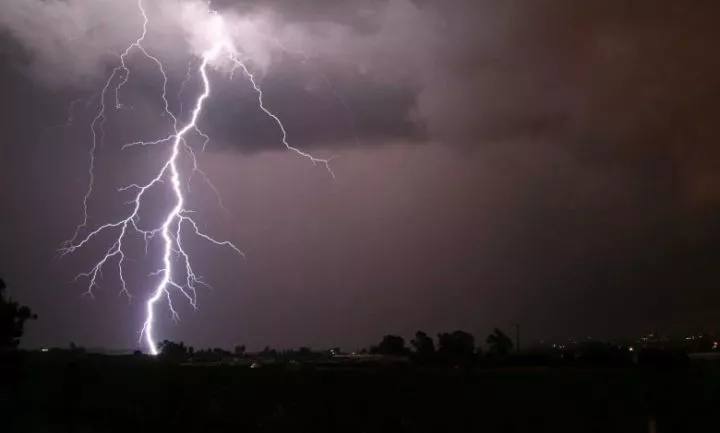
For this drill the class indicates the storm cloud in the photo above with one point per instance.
(611, 77)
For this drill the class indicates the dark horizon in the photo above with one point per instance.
(479, 339)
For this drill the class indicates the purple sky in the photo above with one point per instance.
(551, 163)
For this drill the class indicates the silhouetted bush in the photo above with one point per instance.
(12, 320)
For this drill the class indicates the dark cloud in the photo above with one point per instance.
(617, 83)
(332, 72)
(617, 78)
(327, 109)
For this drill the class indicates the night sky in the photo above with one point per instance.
(552, 163)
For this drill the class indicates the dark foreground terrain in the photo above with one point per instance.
(106, 395)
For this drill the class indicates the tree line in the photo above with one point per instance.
(452, 348)
(457, 347)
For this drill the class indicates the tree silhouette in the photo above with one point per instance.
(456, 347)
(12, 320)
(423, 344)
(239, 351)
(303, 354)
(74, 348)
(220, 353)
(268, 353)
(391, 345)
(500, 344)
(174, 352)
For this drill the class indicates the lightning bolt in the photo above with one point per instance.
(177, 221)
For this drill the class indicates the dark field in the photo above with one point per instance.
(128, 396)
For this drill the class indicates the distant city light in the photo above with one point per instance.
(44, 349)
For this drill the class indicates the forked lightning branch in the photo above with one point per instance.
(177, 278)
